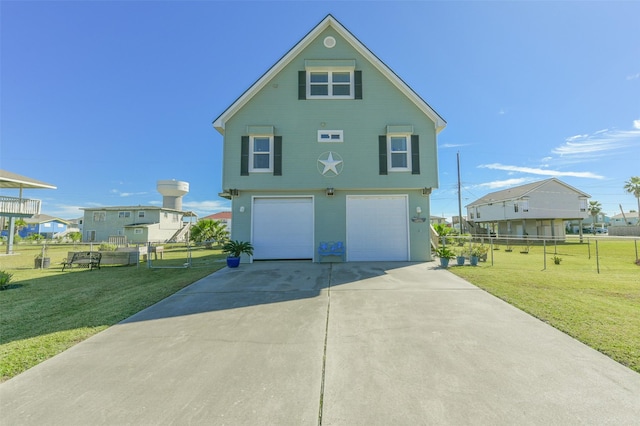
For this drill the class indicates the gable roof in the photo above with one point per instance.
(520, 191)
(44, 218)
(14, 180)
(219, 216)
(329, 21)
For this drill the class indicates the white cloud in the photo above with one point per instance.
(633, 76)
(496, 184)
(205, 208)
(537, 171)
(599, 143)
(132, 194)
(452, 145)
(502, 111)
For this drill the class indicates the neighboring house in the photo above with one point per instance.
(331, 145)
(537, 209)
(45, 225)
(13, 208)
(434, 220)
(133, 224)
(222, 217)
(630, 218)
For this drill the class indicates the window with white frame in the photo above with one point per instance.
(330, 83)
(137, 231)
(141, 213)
(124, 215)
(399, 152)
(99, 216)
(261, 153)
(583, 204)
(330, 136)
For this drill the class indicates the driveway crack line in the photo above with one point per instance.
(324, 355)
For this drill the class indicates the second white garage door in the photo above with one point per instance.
(377, 228)
(283, 228)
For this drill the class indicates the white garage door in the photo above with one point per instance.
(283, 228)
(377, 228)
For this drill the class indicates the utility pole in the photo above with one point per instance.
(459, 194)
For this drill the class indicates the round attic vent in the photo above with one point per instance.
(329, 42)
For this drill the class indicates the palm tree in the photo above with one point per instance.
(632, 186)
(209, 230)
(594, 209)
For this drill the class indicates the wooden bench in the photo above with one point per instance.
(331, 248)
(84, 259)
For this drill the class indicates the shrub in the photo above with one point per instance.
(5, 278)
(107, 247)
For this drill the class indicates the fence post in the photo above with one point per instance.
(544, 250)
(597, 258)
(491, 248)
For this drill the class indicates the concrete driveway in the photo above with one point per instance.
(297, 343)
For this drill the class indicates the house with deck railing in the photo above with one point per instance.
(13, 208)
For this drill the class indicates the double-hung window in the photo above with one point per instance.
(399, 152)
(261, 154)
(261, 151)
(336, 84)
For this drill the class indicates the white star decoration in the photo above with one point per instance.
(330, 164)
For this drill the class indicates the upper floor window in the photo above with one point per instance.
(399, 152)
(99, 216)
(261, 155)
(124, 215)
(141, 213)
(583, 204)
(336, 84)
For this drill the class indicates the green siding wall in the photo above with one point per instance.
(298, 122)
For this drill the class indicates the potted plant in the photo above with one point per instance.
(460, 256)
(234, 249)
(444, 253)
(475, 253)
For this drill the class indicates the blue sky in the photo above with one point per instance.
(102, 99)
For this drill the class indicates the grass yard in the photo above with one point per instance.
(601, 310)
(46, 311)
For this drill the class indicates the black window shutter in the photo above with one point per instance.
(302, 85)
(244, 156)
(357, 79)
(277, 155)
(382, 148)
(415, 154)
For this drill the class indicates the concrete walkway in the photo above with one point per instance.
(296, 343)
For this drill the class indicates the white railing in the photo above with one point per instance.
(10, 206)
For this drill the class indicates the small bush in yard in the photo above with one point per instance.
(107, 247)
(5, 278)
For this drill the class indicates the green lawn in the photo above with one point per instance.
(47, 311)
(601, 310)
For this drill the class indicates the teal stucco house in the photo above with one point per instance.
(331, 145)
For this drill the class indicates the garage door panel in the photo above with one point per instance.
(377, 228)
(283, 228)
